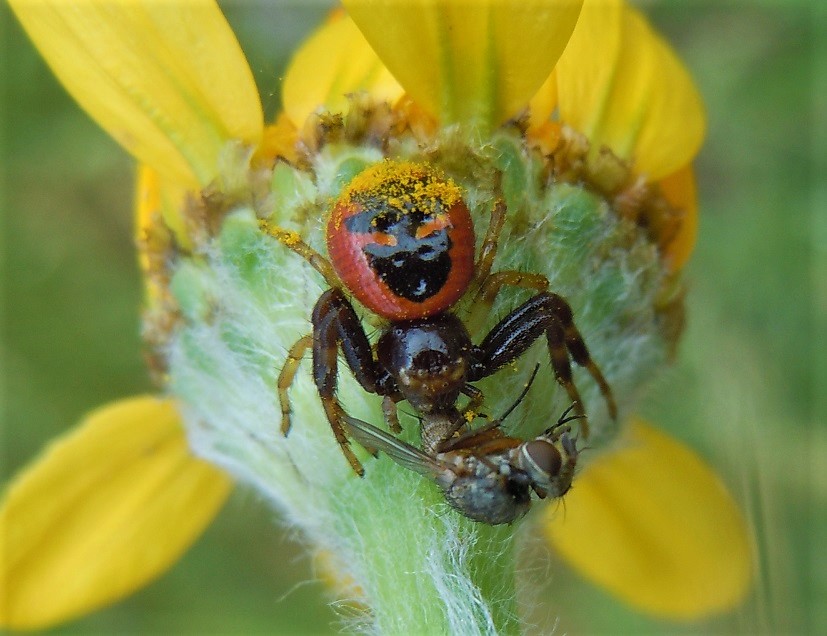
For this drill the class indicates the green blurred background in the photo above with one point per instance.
(747, 391)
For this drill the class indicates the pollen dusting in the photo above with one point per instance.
(404, 186)
(289, 238)
(285, 237)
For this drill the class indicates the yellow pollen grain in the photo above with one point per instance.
(405, 186)
(286, 237)
(290, 238)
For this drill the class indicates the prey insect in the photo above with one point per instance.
(485, 474)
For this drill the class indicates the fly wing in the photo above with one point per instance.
(399, 451)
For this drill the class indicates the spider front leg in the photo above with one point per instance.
(293, 241)
(335, 326)
(549, 314)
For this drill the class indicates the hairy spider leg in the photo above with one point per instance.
(391, 413)
(573, 339)
(545, 313)
(336, 326)
(491, 286)
(486, 284)
(293, 241)
(286, 377)
(488, 249)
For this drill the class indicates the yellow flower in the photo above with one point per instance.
(115, 502)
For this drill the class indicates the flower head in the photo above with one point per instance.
(577, 120)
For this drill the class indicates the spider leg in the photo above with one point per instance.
(562, 336)
(331, 405)
(487, 285)
(391, 414)
(286, 377)
(488, 250)
(549, 314)
(476, 400)
(580, 353)
(335, 327)
(293, 241)
(491, 286)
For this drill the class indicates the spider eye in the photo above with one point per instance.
(543, 459)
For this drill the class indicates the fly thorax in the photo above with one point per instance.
(490, 492)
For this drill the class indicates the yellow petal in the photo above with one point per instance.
(279, 140)
(167, 80)
(160, 230)
(104, 510)
(652, 523)
(679, 189)
(333, 62)
(621, 85)
(542, 105)
(159, 201)
(477, 62)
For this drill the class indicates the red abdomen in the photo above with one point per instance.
(401, 239)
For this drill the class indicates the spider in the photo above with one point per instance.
(401, 242)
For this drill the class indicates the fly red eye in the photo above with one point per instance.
(544, 457)
(401, 239)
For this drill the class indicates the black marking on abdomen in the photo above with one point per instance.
(412, 276)
(414, 268)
